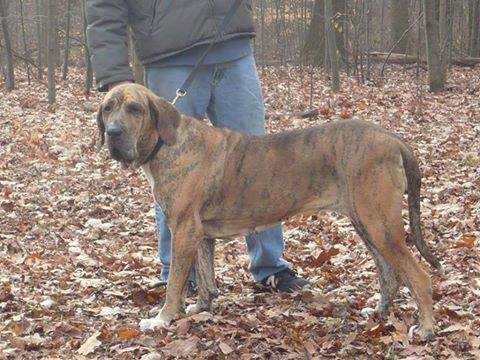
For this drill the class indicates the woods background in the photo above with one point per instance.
(78, 249)
(45, 38)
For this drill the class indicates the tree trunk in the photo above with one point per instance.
(382, 25)
(26, 52)
(38, 11)
(473, 19)
(51, 58)
(88, 62)
(339, 13)
(44, 46)
(367, 49)
(9, 70)
(436, 68)
(331, 46)
(67, 41)
(399, 19)
(315, 44)
(446, 28)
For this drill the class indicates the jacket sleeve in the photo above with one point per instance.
(107, 40)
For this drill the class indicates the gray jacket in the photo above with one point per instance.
(160, 28)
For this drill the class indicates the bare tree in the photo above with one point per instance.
(399, 23)
(26, 52)
(40, 21)
(331, 46)
(446, 29)
(436, 68)
(9, 70)
(88, 62)
(67, 41)
(315, 43)
(339, 14)
(51, 58)
(473, 26)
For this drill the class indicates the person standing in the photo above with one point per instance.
(169, 37)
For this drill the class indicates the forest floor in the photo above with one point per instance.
(78, 249)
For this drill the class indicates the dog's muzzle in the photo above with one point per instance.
(119, 145)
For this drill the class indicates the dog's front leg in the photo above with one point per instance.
(185, 239)
(205, 271)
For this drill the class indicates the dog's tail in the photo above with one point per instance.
(414, 181)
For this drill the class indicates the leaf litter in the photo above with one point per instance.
(78, 248)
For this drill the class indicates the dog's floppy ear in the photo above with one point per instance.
(101, 128)
(165, 117)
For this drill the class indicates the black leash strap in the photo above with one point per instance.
(182, 90)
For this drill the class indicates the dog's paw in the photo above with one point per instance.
(196, 309)
(153, 323)
(424, 335)
(367, 312)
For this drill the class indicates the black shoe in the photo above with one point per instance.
(285, 281)
(191, 287)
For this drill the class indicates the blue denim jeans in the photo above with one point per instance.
(230, 95)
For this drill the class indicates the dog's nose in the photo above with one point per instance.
(113, 130)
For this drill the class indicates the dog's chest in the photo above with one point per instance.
(148, 174)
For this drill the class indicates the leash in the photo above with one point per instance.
(183, 89)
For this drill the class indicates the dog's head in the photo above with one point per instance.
(131, 119)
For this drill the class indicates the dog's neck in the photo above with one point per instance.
(159, 144)
(191, 134)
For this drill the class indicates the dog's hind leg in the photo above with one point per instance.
(205, 270)
(377, 207)
(388, 278)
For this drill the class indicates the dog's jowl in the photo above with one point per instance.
(215, 183)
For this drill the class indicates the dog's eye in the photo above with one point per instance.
(107, 108)
(134, 109)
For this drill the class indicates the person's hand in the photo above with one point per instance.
(112, 85)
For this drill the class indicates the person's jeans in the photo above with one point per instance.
(230, 95)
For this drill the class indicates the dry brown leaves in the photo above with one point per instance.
(77, 243)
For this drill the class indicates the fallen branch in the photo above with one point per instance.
(466, 61)
(403, 59)
(394, 58)
(398, 42)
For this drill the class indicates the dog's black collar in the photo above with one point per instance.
(154, 152)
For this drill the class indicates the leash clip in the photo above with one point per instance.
(179, 94)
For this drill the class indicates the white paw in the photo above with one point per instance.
(192, 309)
(367, 312)
(153, 323)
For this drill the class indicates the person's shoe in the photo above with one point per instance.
(285, 281)
(191, 287)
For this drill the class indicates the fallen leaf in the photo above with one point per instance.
(323, 257)
(226, 349)
(454, 328)
(181, 347)
(90, 344)
(466, 241)
(127, 333)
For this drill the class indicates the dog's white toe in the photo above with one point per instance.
(153, 323)
(192, 309)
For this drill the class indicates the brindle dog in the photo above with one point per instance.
(216, 183)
